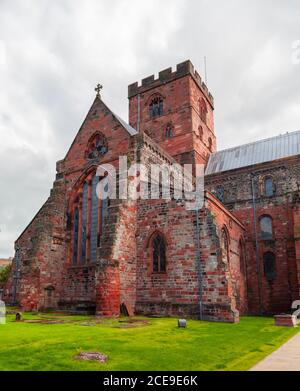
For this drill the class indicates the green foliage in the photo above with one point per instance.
(4, 274)
(160, 345)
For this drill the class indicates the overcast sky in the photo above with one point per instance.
(53, 53)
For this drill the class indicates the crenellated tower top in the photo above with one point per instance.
(175, 110)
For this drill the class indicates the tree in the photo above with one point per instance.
(4, 274)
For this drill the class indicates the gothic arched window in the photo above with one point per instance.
(88, 220)
(97, 146)
(269, 266)
(266, 228)
(84, 217)
(169, 131)
(75, 236)
(158, 253)
(156, 107)
(269, 187)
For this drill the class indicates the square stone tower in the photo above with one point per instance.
(176, 110)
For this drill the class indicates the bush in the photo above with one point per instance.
(4, 274)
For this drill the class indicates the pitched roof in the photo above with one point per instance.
(125, 125)
(284, 145)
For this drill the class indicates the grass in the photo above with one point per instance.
(158, 345)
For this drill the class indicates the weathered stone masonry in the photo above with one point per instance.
(83, 254)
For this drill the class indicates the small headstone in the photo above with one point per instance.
(18, 317)
(286, 320)
(92, 356)
(182, 323)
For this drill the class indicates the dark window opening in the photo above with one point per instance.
(159, 254)
(269, 266)
(156, 107)
(169, 131)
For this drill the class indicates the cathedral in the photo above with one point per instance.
(239, 254)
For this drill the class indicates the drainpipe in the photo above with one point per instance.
(256, 246)
(138, 113)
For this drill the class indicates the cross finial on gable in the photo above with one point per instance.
(98, 89)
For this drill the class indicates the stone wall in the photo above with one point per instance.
(194, 274)
(41, 253)
(265, 296)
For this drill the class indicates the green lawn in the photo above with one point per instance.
(158, 345)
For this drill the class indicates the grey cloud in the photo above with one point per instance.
(56, 51)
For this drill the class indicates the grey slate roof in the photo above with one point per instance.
(262, 151)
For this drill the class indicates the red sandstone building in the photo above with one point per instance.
(239, 254)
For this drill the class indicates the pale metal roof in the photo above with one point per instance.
(262, 151)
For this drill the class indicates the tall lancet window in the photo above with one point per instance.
(84, 223)
(104, 207)
(88, 218)
(94, 220)
(75, 236)
(158, 254)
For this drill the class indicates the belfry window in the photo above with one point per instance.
(169, 131)
(156, 107)
(88, 221)
(158, 254)
(266, 228)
